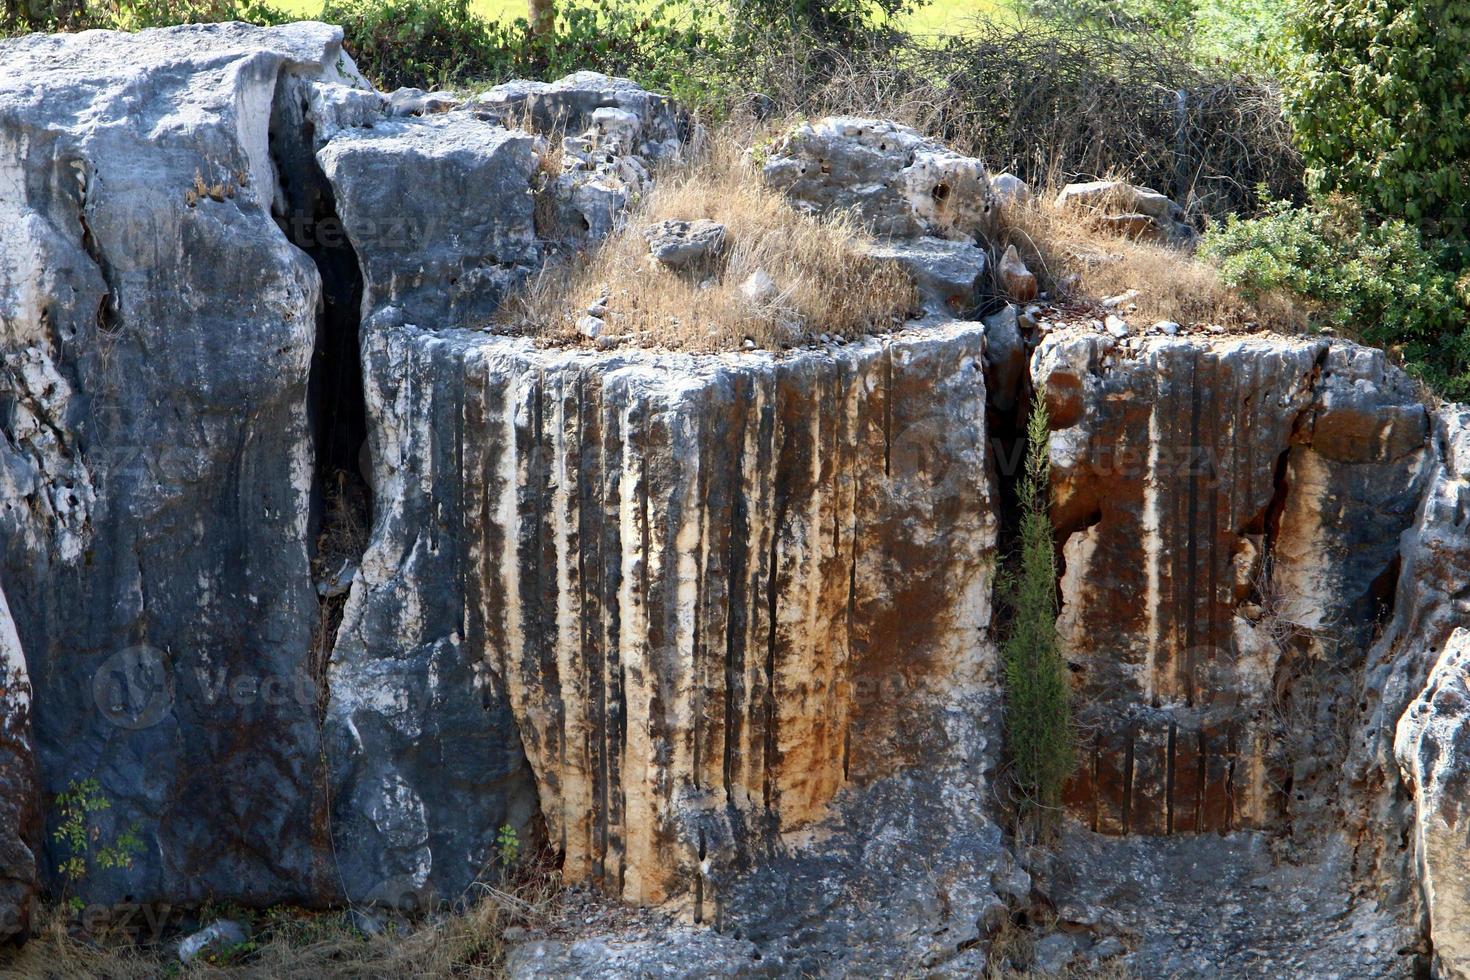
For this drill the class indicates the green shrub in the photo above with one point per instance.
(83, 840)
(443, 43)
(1373, 281)
(1039, 736)
(1053, 102)
(23, 16)
(1381, 104)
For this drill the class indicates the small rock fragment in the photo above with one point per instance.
(591, 326)
(760, 288)
(1113, 302)
(215, 937)
(681, 245)
(1054, 952)
(1117, 326)
(1167, 327)
(1019, 281)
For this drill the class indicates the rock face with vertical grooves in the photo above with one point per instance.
(715, 586)
(715, 628)
(1230, 513)
(427, 759)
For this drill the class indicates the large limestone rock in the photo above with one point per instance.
(1395, 793)
(1230, 512)
(156, 338)
(1433, 750)
(737, 594)
(717, 628)
(899, 182)
(1130, 210)
(426, 756)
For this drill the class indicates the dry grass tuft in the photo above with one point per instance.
(296, 943)
(1012, 953)
(827, 283)
(1077, 259)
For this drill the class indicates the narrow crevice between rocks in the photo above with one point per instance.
(341, 495)
(108, 319)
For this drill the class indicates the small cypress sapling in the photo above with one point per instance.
(1038, 716)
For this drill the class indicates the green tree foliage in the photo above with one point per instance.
(1246, 35)
(1380, 99)
(1039, 736)
(1372, 281)
(22, 16)
(821, 20)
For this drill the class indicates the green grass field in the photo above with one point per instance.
(938, 17)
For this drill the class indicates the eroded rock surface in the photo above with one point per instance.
(1230, 512)
(899, 182)
(1433, 749)
(325, 584)
(156, 336)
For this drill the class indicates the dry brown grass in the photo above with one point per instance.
(1012, 951)
(1077, 259)
(827, 283)
(294, 943)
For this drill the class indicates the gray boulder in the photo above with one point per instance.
(900, 183)
(951, 276)
(1131, 210)
(393, 185)
(613, 110)
(685, 245)
(157, 330)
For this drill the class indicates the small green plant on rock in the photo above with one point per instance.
(83, 839)
(1039, 736)
(508, 842)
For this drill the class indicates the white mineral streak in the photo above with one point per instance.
(1153, 557)
(1304, 585)
(15, 685)
(639, 760)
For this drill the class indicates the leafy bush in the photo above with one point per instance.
(23, 16)
(1049, 101)
(83, 840)
(443, 43)
(1381, 105)
(1039, 736)
(1374, 281)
